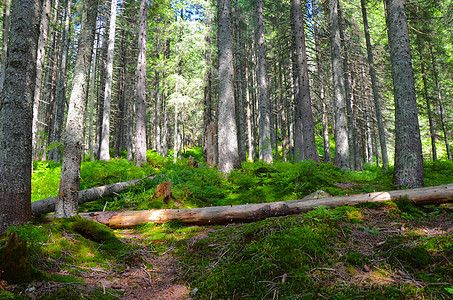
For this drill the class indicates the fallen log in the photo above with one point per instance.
(45, 206)
(255, 212)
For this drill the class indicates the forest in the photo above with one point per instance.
(229, 149)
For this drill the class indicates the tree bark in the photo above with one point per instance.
(227, 131)
(16, 115)
(408, 147)
(67, 201)
(6, 30)
(341, 132)
(264, 131)
(105, 136)
(45, 206)
(256, 212)
(93, 88)
(140, 143)
(377, 100)
(304, 112)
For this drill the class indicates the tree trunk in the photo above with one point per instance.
(16, 115)
(45, 206)
(408, 147)
(41, 52)
(105, 136)
(68, 194)
(256, 212)
(55, 153)
(264, 131)
(93, 88)
(140, 143)
(6, 30)
(341, 132)
(227, 132)
(428, 109)
(441, 106)
(377, 101)
(303, 104)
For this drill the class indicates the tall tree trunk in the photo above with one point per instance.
(93, 88)
(227, 133)
(41, 52)
(428, 109)
(341, 132)
(6, 29)
(105, 136)
(408, 147)
(101, 86)
(264, 131)
(441, 105)
(16, 115)
(207, 99)
(304, 112)
(55, 153)
(68, 195)
(377, 101)
(140, 143)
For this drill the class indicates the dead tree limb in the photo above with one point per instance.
(255, 212)
(48, 205)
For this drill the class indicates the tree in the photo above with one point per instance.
(304, 113)
(16, 115)
(264, 138)
(408, 147)
(105, 136)
(140, 148)
(341, 132)
(377, 101)
(227, 134)
(6, 29)
(68, 195)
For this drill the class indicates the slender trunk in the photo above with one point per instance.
(428, 110)
(105, 136)
(440, 101)
(341, 132)
(265, 147)
(207, 105)
(41, 52)
(55, 153)
(16, 115)
(68, 196)
(140, 148)
(93, 88)
(408, 147)
(240, 89)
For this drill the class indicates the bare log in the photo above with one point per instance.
(255, 212)
(48, 205)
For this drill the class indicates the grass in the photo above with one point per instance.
(391, 250)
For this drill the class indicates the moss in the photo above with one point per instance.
(16, 268)
(96, 232)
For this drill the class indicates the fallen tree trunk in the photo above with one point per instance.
(255, 212)
(48, 205)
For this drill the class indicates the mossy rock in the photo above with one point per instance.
(16, 268)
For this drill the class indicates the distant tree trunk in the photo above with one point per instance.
(377, 102)
(264, 131)
(105, 136)
(320, 71)
(16, 115)
(207, 100)
(93, 88)
(41, 52)
(341, 132)
(428, 110)
(441, 106)
(303, 104)
(6, 30)
(68, 195)
(227, 133)
(140, 143)
(55, 153)
(101, 87)
(408, 147)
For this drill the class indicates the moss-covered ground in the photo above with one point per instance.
(387, 251)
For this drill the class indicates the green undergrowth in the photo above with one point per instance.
(333, 254)
(62, 251)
